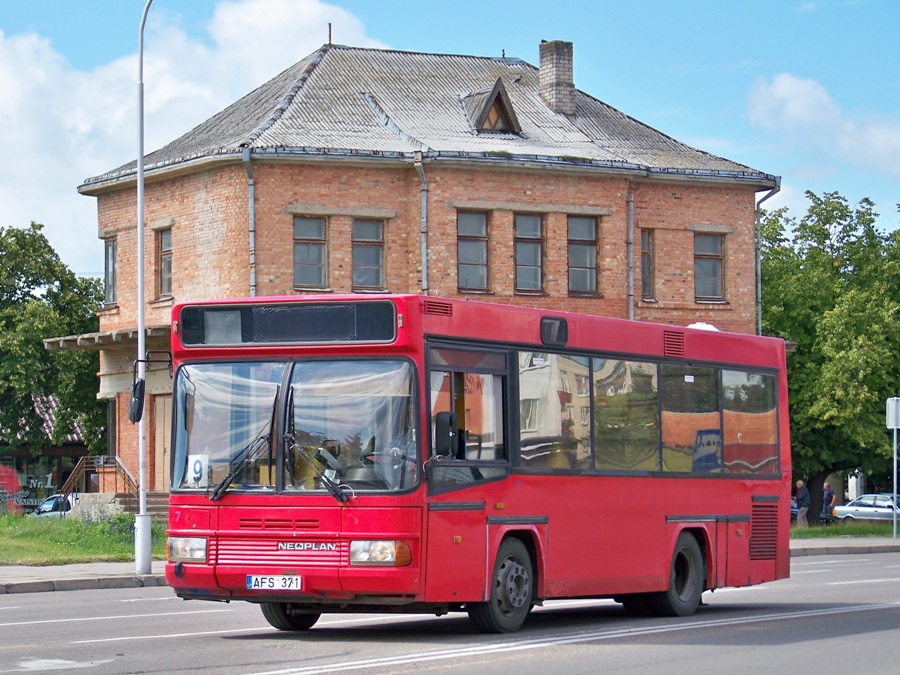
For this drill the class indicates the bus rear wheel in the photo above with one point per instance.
(512, 591)
(686, 580)
(280, 616)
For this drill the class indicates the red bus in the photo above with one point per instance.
(401, 453)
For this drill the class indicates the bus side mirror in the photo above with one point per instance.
(445, 433)
(136, 405)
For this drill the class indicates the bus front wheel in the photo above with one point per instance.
(280, 616)
(512, 591)
(686, 580)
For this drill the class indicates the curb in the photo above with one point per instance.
(838, 549)
(82, 584)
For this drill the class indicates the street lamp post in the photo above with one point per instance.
(142, 540)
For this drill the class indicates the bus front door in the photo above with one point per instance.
(456, 552)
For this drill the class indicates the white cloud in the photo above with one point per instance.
(791, 198)
(806, 117)
(63, 125)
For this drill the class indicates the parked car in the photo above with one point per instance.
(55, 506)
(868, 507)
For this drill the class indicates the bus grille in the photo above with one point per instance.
(437, 307)
(281, 552)
(278, 524)
(673, 343)
(764, 532)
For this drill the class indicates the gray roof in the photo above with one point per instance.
(369, 103)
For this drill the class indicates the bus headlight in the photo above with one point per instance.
(186, 549)
(389, 553)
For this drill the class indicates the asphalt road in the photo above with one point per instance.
(838, 614)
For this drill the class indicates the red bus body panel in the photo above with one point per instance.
(589, 535)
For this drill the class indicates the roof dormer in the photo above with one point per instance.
(490, 110)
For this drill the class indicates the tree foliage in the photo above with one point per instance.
(41, 298)
(829, 285)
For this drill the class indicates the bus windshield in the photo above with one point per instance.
(335, 425)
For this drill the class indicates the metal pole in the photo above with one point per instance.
(142, 539)
(895, 482)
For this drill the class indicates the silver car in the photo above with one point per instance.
(55, 506)
(868, 507)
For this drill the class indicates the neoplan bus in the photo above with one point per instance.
(418, 454)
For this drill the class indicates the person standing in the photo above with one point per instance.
(802, 504)
(828, 499)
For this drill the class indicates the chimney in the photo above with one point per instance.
(557, 88)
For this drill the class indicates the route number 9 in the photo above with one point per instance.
(198, 474)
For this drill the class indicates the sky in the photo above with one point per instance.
(808, 90)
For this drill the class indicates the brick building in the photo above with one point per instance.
(383, 171)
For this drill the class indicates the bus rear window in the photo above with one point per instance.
(283, 323)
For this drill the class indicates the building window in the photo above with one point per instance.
(472, 250)
(648, 282)
(529, 253)
(582, 254)
(368, 254)
(111, 427)
(111, 254)
(310, 252)
(495, 119)
(709, 283)
(164, 257)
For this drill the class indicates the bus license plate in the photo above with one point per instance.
(273, 583)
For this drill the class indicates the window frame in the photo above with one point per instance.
(529, 239)
(110, 271)
(164, 263)
(705, 257)
(648, 264)
(483, 241)
(358, 244)
(318, 242)
(582, 243)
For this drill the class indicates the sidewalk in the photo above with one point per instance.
(23, 579)
(831, 546)
(26, 579)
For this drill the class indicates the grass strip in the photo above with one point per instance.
(26, 540)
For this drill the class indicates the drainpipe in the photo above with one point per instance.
(771, 193)
(423, 191)
(630, 244)
(251, 187)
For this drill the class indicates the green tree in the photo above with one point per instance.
(41, 298)
(829, 287)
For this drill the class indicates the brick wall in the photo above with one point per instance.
(208, 214)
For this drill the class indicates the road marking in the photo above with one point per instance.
(43, 665)
(855, 562)
(860, 581)
(167, 636)
(535, 643)
(266, 628)
(110, 618)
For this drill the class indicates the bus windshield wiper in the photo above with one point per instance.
(262, 441)
(334, 489)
